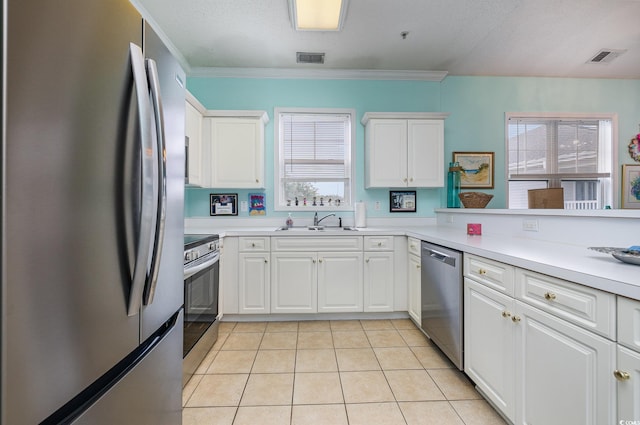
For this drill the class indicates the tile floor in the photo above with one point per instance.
(347, 372)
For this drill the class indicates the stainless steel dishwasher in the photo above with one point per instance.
(441, 298)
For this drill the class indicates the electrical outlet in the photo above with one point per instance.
(530, 225)
(244, 206)
(376, 206)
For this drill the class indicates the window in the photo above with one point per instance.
(314, 159)
(572, 151)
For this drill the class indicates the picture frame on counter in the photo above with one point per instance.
(631, 186)
(402, 201)
(224, 204)
(477, 169)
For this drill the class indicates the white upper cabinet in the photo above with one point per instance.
(236, 140)
(193, 133)
(404, 149)
(225, 149)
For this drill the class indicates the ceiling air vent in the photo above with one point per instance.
(606, 55)
(304, 57)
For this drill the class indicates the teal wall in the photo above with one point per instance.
(476, 123)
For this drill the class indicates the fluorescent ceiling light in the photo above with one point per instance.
(317, 15)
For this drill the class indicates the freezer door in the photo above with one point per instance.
(147, 394)
(168, 294)
(68, 236)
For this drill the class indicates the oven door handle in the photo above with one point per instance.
(196, 269)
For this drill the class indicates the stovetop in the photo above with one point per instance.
(191, 241)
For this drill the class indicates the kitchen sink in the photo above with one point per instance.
(315, 229)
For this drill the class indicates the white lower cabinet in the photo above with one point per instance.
(563, 372)
(627, 372)
(415, 292)
(312, 282)
(378, 277)
(254, 287)
(339, 282)
(489, 337)
(534, 366)
(628, 375)
(294, 283)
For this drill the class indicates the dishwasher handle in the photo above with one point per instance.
(440, 256)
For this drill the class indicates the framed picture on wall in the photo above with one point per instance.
(402, 201)
(477, 169)
(224, 204)
(630, 186)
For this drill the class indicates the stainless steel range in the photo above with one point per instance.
(201, 288)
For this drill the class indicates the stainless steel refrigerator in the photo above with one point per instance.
(92, 216)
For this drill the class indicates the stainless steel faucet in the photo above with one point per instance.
(317, 221)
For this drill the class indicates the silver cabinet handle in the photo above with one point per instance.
(515, 319)
(147, 210)
(506, 314)
(549, 296)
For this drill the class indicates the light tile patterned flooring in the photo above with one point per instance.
(347, 372)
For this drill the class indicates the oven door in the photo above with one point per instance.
(200, 301)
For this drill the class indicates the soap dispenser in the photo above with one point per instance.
(289, 222)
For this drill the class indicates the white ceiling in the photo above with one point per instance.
(552, 38)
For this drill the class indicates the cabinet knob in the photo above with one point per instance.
(257, 181)
(417, 266)
(367, 260)
(266, 261)
(482, 271)
(621, 376)
(404, 180)
(515, 319)
(320, 260)
(379, 243)
(253, 245)
(314, 261)
(505, 314)
(411, 179)
(549, 296)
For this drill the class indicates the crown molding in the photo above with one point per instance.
(317, 74)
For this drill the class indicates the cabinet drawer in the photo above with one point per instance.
(586, 307)
(629, 323)
(413, 246)
(495, 275)
(317, 243)
(378, 243)
(254, 244)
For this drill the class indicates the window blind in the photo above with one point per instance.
(315, 147)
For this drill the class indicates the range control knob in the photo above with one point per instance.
(190, 256)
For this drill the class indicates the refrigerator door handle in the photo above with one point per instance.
(161, 174)
(147, 193)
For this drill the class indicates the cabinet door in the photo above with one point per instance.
(237, 153)
(415, 303)
(294, 282)
(628, 387)
(425, 149)
(386, 153)
(193, 131)
(254, 290)
(563, 371)
(378, 281)
(489, 338)
(340, 282)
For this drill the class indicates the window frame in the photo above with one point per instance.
(277, 170)
(613, 117)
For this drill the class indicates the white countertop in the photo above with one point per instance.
(567, 261)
